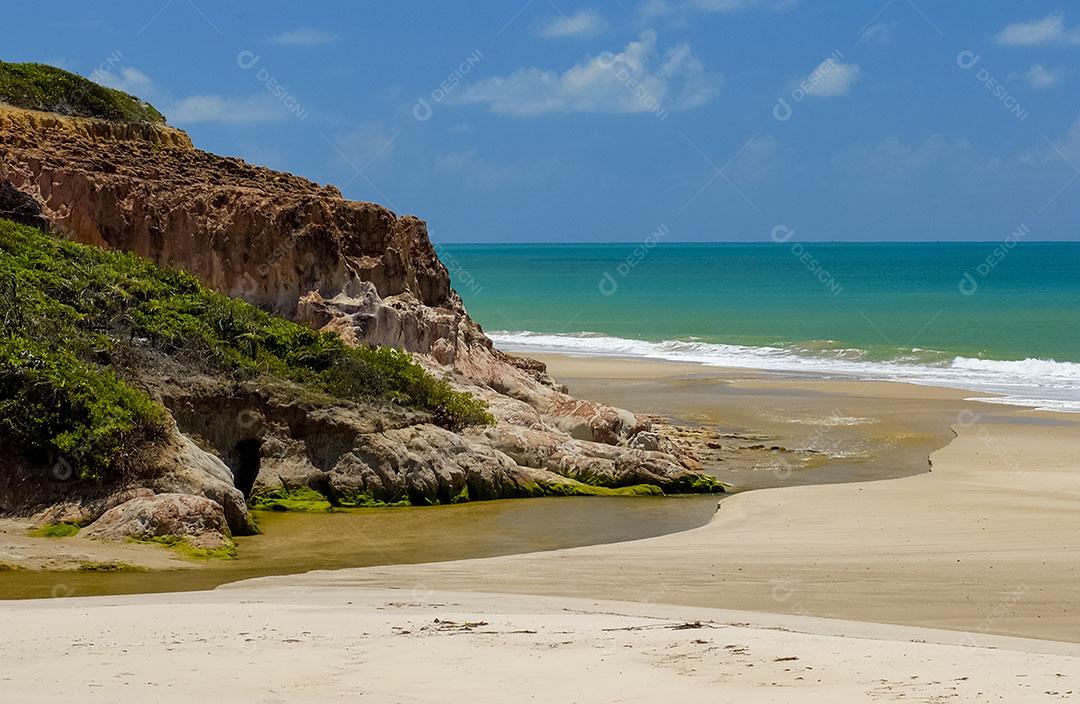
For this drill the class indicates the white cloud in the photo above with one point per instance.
(1038, 77)
(660, 8)
(1068, 147)
(1049, 30)
(830, 79)
(226, 111)
(366, 143)
(892, 158)
(756, 160)
(469, 168)
(304, 36)
(635, 80)
(128, 79)
(880, 33)
(585, 23)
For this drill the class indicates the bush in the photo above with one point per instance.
(57, 406)
(42, 87)
(69, 311)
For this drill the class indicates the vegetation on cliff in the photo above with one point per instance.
(47, 88)
(71, 315)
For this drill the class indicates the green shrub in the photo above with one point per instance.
(70, 314)
(42, 87)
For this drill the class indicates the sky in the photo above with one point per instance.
(560, 120)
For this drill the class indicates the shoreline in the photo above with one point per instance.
(750, 460)
(988, 380)
(945, 548)
(651, 375)
(959, 582)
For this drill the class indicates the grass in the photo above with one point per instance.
(56, 530)
(183, 547)
(42, 87)
(71, 315)
(9, 567)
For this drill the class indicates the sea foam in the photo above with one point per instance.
(1036, 383)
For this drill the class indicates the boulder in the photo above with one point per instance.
(197, 519)
(644, 440)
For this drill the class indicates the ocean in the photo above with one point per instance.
(998, 317)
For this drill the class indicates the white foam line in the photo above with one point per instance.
(1035, 383)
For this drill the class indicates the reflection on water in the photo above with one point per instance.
(300, 542)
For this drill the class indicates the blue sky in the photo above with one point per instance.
(601, 121)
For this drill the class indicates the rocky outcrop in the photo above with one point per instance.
(56, 494)
(198, 520)
(302, 251)
(284, 243)
(381, 454)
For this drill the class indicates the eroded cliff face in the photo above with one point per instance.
(301, 250)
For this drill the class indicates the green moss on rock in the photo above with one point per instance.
(109, 566)
(56, 530)
(579, 489)
(185, 549)
(703, 484)
(302, 499)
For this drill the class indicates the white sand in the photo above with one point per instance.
(327, 644)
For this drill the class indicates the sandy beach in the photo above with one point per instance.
(956, 583)
(987, 541)
(398, 645)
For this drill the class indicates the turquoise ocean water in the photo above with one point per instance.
(997, 317)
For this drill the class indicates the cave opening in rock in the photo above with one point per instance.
(246, 465)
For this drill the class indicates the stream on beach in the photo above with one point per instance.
(858, 438)
(301, 542)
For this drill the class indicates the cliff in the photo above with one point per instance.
(301, 251)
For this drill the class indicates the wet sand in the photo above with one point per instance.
(823, 440)
(860, 433)
(987, 542)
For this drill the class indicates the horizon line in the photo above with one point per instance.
(757, 242)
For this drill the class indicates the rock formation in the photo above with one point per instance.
(303, 251)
